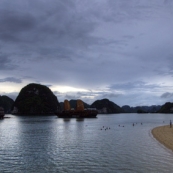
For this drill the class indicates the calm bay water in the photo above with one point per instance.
(48, 144)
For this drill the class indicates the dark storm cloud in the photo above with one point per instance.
(53, 29)
(112, 95)
(15, 22)
(3, 61)
(125, 10)
(169, 2)
(6, 63)
(11, 79)
(56, 29)
(122, 47)
(167, 95)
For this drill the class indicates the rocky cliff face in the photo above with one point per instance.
(6, 103)
(105, 106)
(141, 109)
(166, 108)
(35, 99)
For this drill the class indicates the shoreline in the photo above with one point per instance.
(164, 135)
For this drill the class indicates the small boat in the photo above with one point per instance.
(2, 113)
(79, 112)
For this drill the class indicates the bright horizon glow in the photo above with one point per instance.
(65, 89)
(9, 87)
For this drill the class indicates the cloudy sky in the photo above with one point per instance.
(89, 49)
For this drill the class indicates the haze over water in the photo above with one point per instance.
(48, 144)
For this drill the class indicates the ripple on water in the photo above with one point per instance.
(53, 145)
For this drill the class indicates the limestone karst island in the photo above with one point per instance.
(37, 99)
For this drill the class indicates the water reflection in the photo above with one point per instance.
(66, 119)
(79, 119)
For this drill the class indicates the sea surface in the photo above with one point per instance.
(50, 144)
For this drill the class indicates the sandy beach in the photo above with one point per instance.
(164, 134)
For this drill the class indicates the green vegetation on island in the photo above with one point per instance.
(106, 106)
(6, 103)
(35, 99)
(166, 108)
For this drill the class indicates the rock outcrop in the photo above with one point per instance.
(105, 106)
(141, 109)
(7, 103)
(35, 99)
(166, 108)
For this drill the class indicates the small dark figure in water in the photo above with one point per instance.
(141, 123)
(170, 124)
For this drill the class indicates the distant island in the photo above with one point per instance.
(37, 99)
(166, 108)
(7, 103)
(106, 106)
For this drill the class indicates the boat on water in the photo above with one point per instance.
(2, 113)
(79, 112)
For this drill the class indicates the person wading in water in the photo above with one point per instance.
(170, 124)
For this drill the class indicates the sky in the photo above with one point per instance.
(121, 50)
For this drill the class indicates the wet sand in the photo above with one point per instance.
(164, 134)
